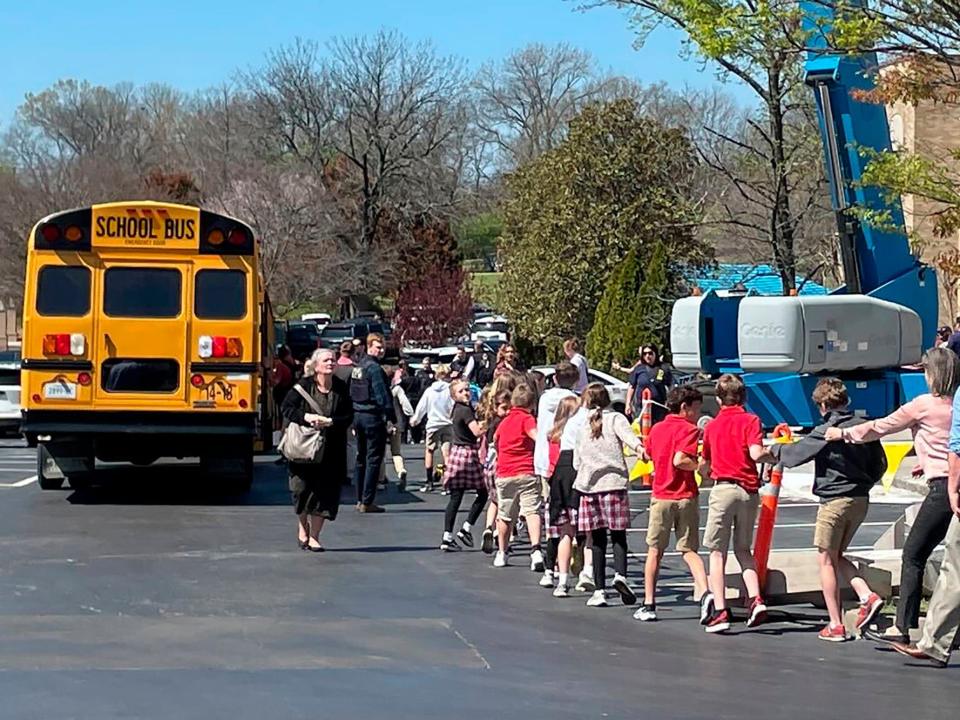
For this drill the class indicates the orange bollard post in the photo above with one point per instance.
(646, 422)
(769, 499)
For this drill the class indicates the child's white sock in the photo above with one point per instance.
(563, 578)
(447, 535)
(466, 526)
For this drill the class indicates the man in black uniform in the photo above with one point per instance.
(372, 415)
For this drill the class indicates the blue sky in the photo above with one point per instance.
(194, 45)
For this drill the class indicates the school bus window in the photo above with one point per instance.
(141, 292)
(220, 295)
(63, 291)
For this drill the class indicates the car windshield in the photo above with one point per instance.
(500, 327)
(337, 331)
(300, 333)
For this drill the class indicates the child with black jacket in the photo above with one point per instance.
(843, 476)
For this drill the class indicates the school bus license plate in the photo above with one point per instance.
(218, 390)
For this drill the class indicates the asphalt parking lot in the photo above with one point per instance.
(152, 596)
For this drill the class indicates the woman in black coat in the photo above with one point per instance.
(316, 486)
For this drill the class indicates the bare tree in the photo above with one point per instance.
(527, 100)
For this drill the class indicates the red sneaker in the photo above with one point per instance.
(719, 622)
(757, 612)
(868, 610)
(834, 634)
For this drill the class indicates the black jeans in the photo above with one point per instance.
(371, 433)
(453, 507)
(929, 529)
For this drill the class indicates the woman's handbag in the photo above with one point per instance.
(302, 444)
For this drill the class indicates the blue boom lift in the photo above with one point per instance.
(867, 332)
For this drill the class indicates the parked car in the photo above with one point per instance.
(9, 392)
(616, 387)
(302, 339)
(358, 328)
(490, 327)
(321, 319)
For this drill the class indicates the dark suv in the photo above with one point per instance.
(302, 339)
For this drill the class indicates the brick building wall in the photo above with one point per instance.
(928, 129)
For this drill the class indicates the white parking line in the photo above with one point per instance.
(672, 553)
(20, 483)
(797, 525)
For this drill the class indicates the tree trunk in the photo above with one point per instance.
(782, 223)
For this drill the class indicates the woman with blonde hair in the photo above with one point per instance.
(928, 417)
(319, 400)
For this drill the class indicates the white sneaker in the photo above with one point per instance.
(627, 595)
(585, 582)
(645, 614)
(547, 579)
(536, 561)
(598, 599)
(500, 560)
(561, 591)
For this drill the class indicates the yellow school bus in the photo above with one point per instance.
(147, 334)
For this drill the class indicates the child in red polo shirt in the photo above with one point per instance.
(518, 488)
(732, 445)
(672, 447)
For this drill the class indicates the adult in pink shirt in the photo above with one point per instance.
(928, 418)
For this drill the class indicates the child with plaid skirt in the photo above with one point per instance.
(463, 470)
(602, 482)
(561, 511)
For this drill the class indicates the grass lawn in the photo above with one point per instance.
(483, 287)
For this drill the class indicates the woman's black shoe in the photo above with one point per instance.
(301, 544)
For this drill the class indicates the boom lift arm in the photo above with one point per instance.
(867, 330)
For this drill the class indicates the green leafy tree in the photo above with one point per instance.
(477, 236)
(758, 43)
(618, 182)
(634, 309)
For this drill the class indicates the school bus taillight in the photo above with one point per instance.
(215, 238)
(219, 346)
(64, 344)
(73, 234)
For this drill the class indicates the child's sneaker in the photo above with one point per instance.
(561, 591)
(465, 536)
(598, 599)
(720, 622)
(402, 481)
(486, 544)
(536, 560)
(585, 582)
(646, 613)
(757, 613)
(627, 595)
(500, 560)
(547, 579)
(868, 610)
(707, 607)
(834, 634)
(449, 545)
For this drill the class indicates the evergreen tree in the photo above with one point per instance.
(634, 309)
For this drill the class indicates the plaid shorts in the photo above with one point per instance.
(567, 515)
(463, 470)
(609, 510)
